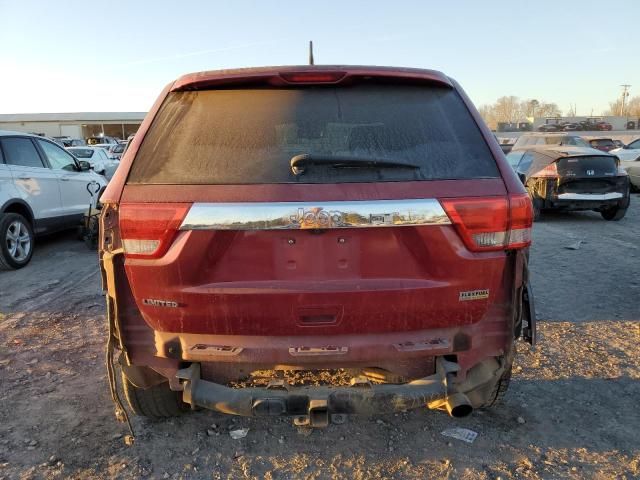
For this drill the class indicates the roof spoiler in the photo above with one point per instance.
(308, 74)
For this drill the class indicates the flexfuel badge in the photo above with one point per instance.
(473, 295)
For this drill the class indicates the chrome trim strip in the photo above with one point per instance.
(314, 215)
(590, 196)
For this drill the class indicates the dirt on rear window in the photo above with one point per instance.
(248, 136)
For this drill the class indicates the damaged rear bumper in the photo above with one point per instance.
(318, 406)
(581, 194)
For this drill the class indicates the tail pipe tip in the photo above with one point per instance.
(458, 405)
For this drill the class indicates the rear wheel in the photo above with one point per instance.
(17, 240)
(536, 204)
(501, 387)
(614, 213)
(158, 401)
(617, 212)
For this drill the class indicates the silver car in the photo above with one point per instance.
(97, 158)
(630, 160)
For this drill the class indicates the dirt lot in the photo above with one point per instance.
(572, 410)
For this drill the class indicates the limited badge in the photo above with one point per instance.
(473, 295)
(159, 303)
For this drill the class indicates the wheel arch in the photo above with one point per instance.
(19, 206)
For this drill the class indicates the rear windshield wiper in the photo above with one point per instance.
(300, 162)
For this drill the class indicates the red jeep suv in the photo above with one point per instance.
(360, 223)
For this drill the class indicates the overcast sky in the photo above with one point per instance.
(70, 56)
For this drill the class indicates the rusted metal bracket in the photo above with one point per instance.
(529, 329)
(318, 406)
(112, 304)
(529, 324)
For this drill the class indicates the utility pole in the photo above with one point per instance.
(533, 104)
(625, 95)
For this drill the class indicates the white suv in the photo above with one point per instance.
(42, 189)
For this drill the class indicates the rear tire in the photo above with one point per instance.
(614, 213)
(536, 204)
(502, 385)
(619, 211)
(158, 401)
(16, 241)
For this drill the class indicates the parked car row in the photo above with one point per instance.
(575, 126)
(102, 140)
(530, 140)
(66, 141)
(112, 146)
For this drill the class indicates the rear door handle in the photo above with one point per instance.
(64, 179)
(24, 178)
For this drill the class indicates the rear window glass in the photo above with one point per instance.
(249, 136)
(82, 152)
(568, 140)
(588, 166)
(602, 143)
(526, 140)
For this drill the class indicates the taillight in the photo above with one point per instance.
(520, 221)
(313, 77)
(491, 223)
(550, 171)
(148, 229)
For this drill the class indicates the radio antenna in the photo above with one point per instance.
(311, 52)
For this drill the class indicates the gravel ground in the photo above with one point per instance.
(571, 411)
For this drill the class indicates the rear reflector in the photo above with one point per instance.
(491, 223)
(148, 229)
(313, 77)
(140, 247)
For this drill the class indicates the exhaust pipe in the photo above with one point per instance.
(458, 405)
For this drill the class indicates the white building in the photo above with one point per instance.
(75, 125)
